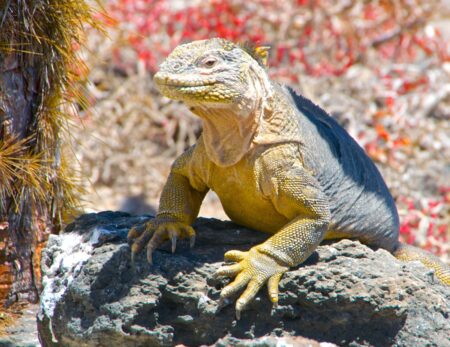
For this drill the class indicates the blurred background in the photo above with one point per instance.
(381, 68)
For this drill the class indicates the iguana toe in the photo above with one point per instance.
(230, 270)
(138, 237)
(235, 255)
(272, 286)
(135, 232)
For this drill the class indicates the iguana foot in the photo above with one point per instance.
(154, 233)
(252, 270)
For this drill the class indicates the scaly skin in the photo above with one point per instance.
(278, 163)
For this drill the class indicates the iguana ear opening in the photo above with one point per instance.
(263, 53)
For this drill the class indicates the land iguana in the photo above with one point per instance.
(279, 164)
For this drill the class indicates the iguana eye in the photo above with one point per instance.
(209, 62)
(176, 66)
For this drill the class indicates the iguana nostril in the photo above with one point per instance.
(160, 78)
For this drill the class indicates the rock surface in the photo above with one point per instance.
(23, 333)
(346, 293)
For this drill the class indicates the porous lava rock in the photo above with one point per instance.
(345, 294)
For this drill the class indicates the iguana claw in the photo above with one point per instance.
(155, 233)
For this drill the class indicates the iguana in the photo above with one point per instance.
(279, 164)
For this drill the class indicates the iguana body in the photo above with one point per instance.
(278, 163)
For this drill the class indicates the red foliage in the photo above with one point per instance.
(321, 37)
(158, 28)
(423, 223)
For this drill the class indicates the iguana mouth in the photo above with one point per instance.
(165, 80)
(192, 88)
(187, 84)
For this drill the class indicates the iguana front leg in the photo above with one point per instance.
(179, 206)
(294, 193)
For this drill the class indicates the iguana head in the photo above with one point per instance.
(226, 85)
(213, 73)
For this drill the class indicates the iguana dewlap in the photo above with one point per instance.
(278, 163)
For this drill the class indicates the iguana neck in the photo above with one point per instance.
(226, 137)
(263, 116)
(229, 130)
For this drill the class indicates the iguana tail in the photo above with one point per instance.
(410, 253)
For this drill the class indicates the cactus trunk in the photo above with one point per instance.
(39, 71)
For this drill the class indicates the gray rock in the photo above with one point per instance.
(23, 333)
(346, 293)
